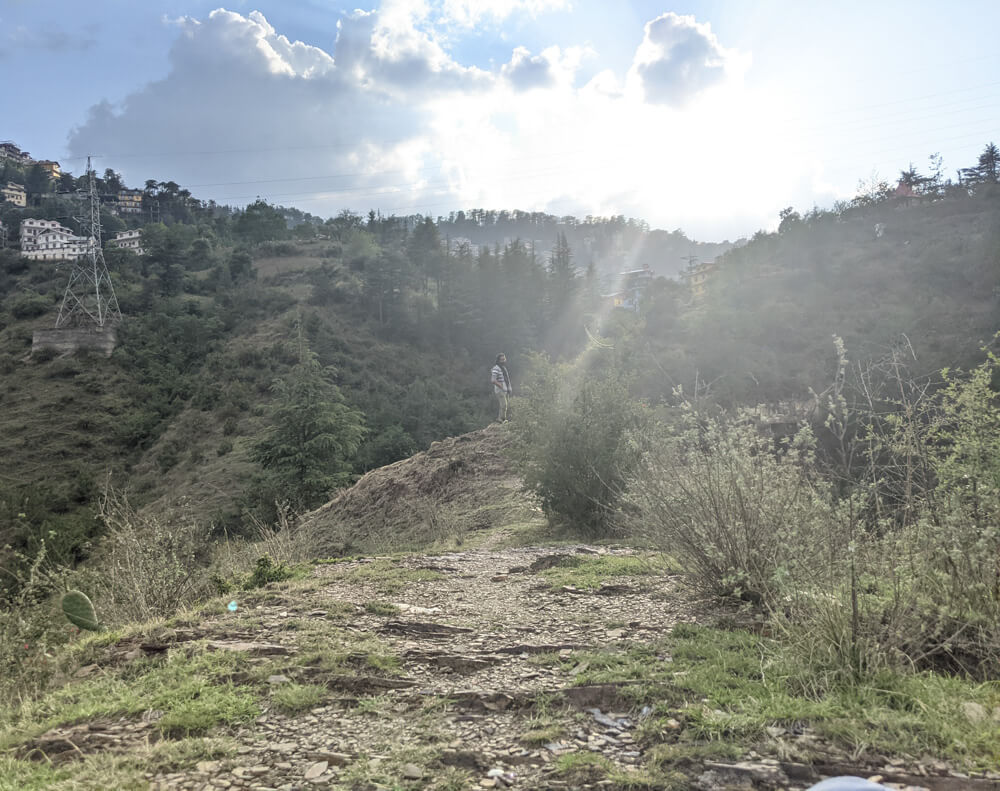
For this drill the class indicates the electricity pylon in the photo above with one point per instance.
(89, 298)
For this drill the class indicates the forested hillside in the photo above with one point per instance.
(395, 331)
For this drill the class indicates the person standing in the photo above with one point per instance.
(502, 389)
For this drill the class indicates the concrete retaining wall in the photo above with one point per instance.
(67, 341)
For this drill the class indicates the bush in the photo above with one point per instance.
(146, 566)
(29, 306)
(577, 445)
(742, 512)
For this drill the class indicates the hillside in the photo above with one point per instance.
(409, 332)
(494, 663)
(459, 486)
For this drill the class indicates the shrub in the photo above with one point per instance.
(29, 306)
(577, 445)
(146, 566)
(742, 512)
(265, 572)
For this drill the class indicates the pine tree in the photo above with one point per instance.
(313, 437)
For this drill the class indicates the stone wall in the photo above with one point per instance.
(69, 340)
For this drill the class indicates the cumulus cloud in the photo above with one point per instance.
(236, 85)
(678, 59)
(553, 66)
(388, 118)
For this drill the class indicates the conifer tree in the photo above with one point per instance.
(314, 435)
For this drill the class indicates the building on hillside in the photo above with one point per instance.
(631, 285)
(129, 240)
(129, 201)
(10, 150)
(697, 276)
(51, 168)
(14, 194)
(47, 240)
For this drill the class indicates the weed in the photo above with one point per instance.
(583, 767)
(381, 608)
(731, 685)
(376, 704)
(191, 691)
(292, 698)
(541, 734)
(387, 576)
(593, 572)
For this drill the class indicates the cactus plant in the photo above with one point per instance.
(80, 611)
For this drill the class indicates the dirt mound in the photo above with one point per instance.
(458, 485)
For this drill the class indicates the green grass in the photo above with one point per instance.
(291, 698)
(543, 733)
(729, 686)
(381, 608)
(583, 767)
(193, 692)
(591, 572)
(387, 576)
(104, 770)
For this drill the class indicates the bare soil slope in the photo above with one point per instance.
(461, 484)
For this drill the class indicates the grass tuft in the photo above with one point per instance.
(292, 698)
(591, 573)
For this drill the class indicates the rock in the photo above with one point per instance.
(462, 759)
(334, 759)
(412, 772)
(245, 647)
(208, 767)
(278, 679)
(745, 774)
(259, 770)
(488, 782)
(85, 671)
(316, 770)
(974, 712)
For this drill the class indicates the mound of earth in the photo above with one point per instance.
(458, 485)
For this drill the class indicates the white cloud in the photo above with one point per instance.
(469, 13)
(552, 67)
(678, 59)
(391, 120)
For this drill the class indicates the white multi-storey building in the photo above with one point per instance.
(47, 240)
(129, 240)
(15, 194)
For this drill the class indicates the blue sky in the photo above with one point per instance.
(708, 116)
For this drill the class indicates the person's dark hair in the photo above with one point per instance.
(499, 356)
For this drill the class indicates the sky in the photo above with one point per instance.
(708, 116)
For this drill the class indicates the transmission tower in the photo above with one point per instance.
(89, 298)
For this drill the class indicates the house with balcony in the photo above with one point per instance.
(47, 240)
(10, 151)
(14, 194)
(129, 201)
(50, 167)
(697, 276)
(630, 286)
(128, 240)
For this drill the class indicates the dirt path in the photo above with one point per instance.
(474, 669)
(472, 674)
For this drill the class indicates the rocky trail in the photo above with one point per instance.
(455, 671)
